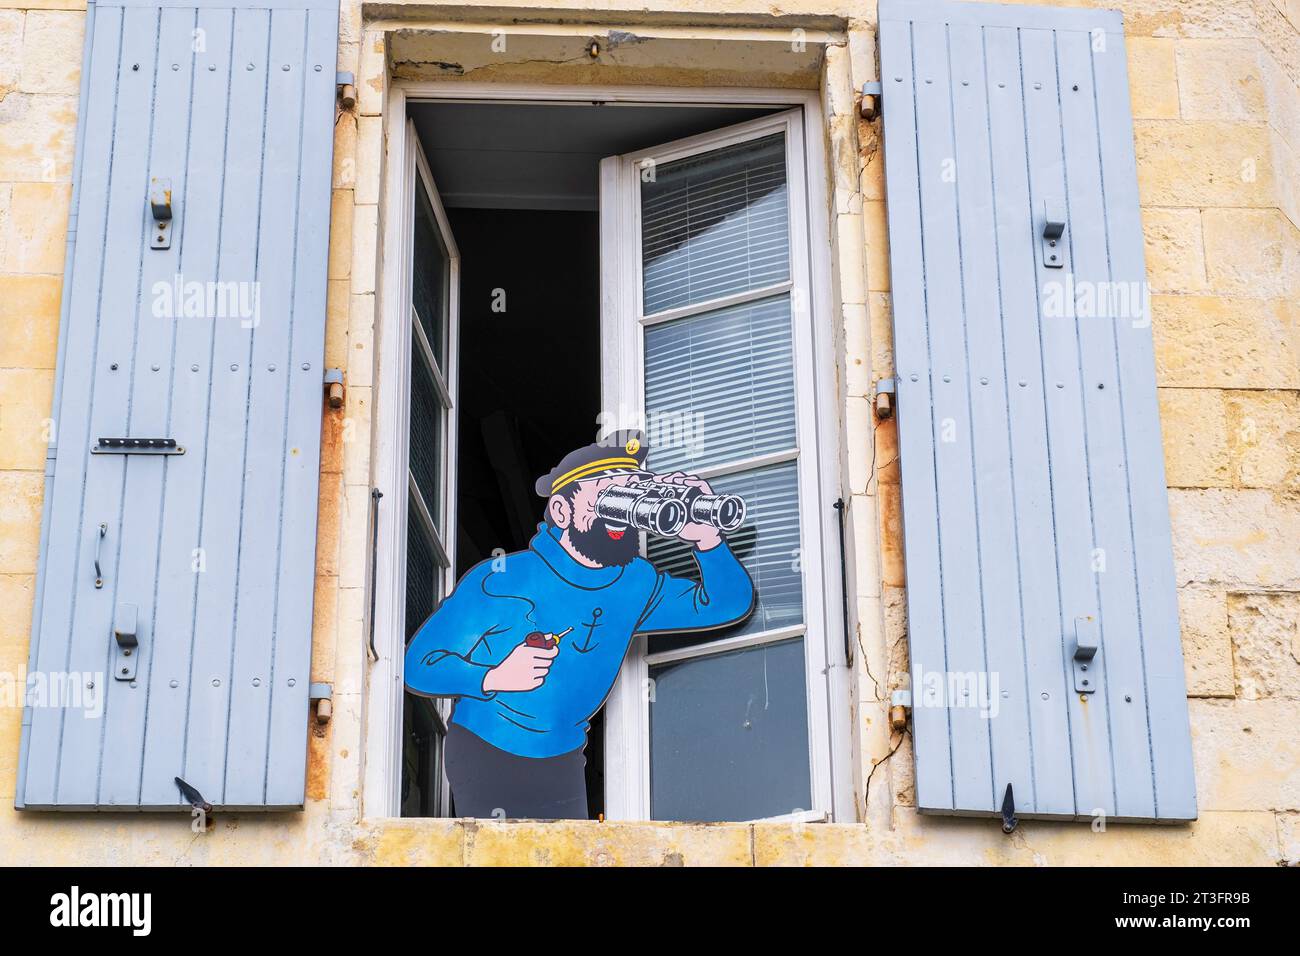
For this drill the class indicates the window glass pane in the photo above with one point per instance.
(430, 277)
(719, 387)
(421, 571)
(729, 735)
(422, 748)
(716, 224)
(767, 544)
(426, 435)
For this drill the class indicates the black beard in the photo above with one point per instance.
(595, 544)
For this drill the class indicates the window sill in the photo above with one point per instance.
(430, 842)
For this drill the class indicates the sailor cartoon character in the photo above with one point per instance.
(530, 645)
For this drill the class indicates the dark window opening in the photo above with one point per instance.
(520, 186)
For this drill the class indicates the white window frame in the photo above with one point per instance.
(623, 324)
(400, 334)
(382, 725)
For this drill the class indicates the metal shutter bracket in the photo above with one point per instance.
(1053, 230)
(160, 204)
(1086, 644)
(126, 623)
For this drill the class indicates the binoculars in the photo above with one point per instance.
(665, 509)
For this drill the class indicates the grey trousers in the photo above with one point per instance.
(491, 783)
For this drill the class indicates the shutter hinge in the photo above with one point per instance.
(347, 89)
(900, 702)
(322, 695)
(872, 100)
(885, 391)
(334, 384)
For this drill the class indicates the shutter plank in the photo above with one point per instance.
(934, 771)
(209, 719)
(963, 639)
(119, 289)
(286, 754)
(70, 542)
(152, 372)
(1053, 785)
(256, 622)
(180, 570)
(992, 460)
(1166, 687)
(1119, 663)
(1062, 391)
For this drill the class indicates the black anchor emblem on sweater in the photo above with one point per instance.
(591, 626)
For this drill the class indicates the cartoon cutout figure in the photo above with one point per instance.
(529, 645)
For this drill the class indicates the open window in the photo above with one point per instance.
(430, 516)
(707, 253)
(598, 280)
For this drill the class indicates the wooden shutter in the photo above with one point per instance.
(1034, 504)
(208, 330)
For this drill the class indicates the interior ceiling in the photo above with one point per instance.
(542, 156)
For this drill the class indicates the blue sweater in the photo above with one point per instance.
(490, 612)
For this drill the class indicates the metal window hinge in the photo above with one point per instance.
(872, 100)
(1086, 645)
(347, 89)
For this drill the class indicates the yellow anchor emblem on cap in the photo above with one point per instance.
(632, 447)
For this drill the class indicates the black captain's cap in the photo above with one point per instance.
(619, 453)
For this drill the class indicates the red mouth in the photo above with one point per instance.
(616, 535)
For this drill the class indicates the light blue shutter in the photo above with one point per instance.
(1034, 503)
(217, 342)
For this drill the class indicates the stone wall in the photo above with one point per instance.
(1216, 97)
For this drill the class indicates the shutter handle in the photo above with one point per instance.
(99, 542)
